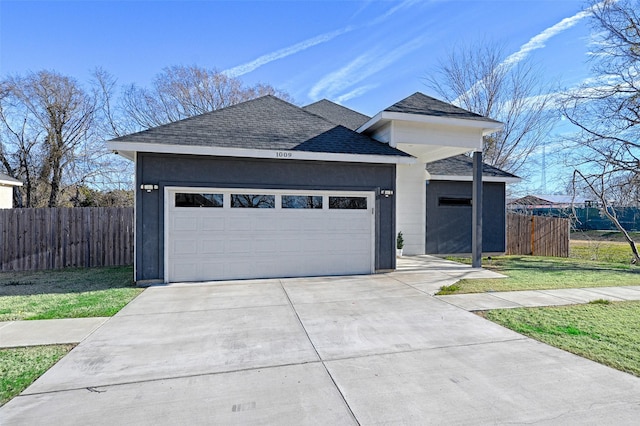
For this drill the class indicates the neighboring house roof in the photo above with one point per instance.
(549, 200)
(7, 180)
(421, 104)
(337, 114)
(454, 168)
(266, 124)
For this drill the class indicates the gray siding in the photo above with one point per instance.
(449, 226)
(189, 170)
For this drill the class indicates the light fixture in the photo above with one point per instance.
(386, 192)
(148, 187)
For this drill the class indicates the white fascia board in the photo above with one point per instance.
(370, 124)
(470, 178)
(126, 148)
(129, 155)
(488, 127)
(5, 182)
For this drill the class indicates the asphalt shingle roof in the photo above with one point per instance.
(462, 165)
(421, 104)
(265, 123)
(337, 114)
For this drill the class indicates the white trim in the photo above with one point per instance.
(470, 178)
(126, 149)
(168, 190)
(6, 182)
(488, 126)
(392, 135)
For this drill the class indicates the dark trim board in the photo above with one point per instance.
(223, 172)
(449, 217)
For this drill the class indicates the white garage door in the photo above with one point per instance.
(220, 234)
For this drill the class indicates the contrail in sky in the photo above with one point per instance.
(303, 45)
(536, 42)
(283, 53)
(361, 68)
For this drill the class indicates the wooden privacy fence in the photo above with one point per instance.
(537, 235)
(54, 238)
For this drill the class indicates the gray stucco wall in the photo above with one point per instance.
(223, 172)
(449, 226)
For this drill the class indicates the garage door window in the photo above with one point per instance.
(301, 201)
(348, 203)
(253, 201)
(198, 200)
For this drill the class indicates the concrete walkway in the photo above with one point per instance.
(330, 350)
(533, 298)
(47, 332)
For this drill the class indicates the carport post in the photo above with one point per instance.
(476, 211)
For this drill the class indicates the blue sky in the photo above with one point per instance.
(364, 54)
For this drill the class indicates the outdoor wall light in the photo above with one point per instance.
(148, 187)
(387, 192)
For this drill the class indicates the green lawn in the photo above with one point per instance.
(19, 367)
(601, 259)
(543, 273)
(65, 293)
(602, 251)
(607, 333)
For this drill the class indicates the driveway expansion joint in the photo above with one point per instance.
(93, 388)
(342, 396)
(433, 348)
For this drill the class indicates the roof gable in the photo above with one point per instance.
(337, 114)
(265, 123)
(421, 104)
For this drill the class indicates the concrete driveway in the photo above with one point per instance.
(331, 351)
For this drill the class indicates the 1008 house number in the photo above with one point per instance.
(282, 154)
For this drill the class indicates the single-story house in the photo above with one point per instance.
(269, 189)
(7, 183)
(533, 201)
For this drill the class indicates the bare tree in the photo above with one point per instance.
(606, 108)
(179, 92)
(480, 78)
(49, 135)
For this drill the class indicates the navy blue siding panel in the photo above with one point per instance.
(449, 227)
(189, 170)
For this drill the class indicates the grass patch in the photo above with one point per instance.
(19, 367)
(449, 289)
(603, 251)
(544, 273)
(605, 333)
(65, 293)
(600, 302)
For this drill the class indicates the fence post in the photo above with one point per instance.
(533, 235)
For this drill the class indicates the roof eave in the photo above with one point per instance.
(12, 182)
(128, 150)
(466, 178)
(488, 126)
